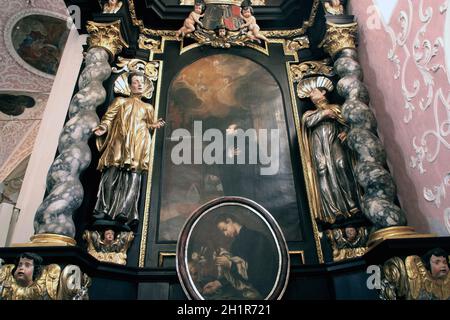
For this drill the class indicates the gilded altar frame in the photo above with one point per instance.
(277, 38)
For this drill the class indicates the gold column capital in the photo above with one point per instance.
(107, 36)
(339, 37)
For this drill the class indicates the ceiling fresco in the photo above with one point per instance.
(33, 40)
(39, 40)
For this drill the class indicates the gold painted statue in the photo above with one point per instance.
(30, 280)
(109, 247)
(326, 133)
(112, 6)
(416, 278)
(124, 139)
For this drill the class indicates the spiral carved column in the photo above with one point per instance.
(378, 203)
(53, 220)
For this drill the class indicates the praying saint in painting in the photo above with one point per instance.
(245, 270)
(231, 248)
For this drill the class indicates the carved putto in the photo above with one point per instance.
(191, 20)
(348, 242)
(416, 278)
(334, 7)
(251, 25)
(222, 23)
(29, 279)
(112, 6)
(106, 246)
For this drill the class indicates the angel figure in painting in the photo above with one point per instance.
(124, 139)
(112, 6)
(250, 23)
(190, 21)
(326, 132)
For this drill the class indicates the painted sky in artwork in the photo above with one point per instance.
(220, 90)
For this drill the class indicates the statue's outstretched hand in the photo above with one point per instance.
(99, 130)
(159, 124)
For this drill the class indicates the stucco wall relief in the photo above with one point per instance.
(413, 37)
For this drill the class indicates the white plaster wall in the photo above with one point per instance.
(33, 187)
(6, 211)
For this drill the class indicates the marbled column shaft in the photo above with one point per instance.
(379, 189)
(54, 215)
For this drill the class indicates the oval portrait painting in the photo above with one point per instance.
(232, 248)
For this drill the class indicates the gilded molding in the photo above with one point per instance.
(300, 253)
(132, 9)
(310, 68)
(296, 44)
(397, 232)
(163, 255)
(344, 254)
(48, 239)
(150, 69)
(311, 75)
(295, 32)
(339, 37)
(272, 34)
(147, 43)
(158, 33)
(107, 36)
(146, 219)
(232, 38)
